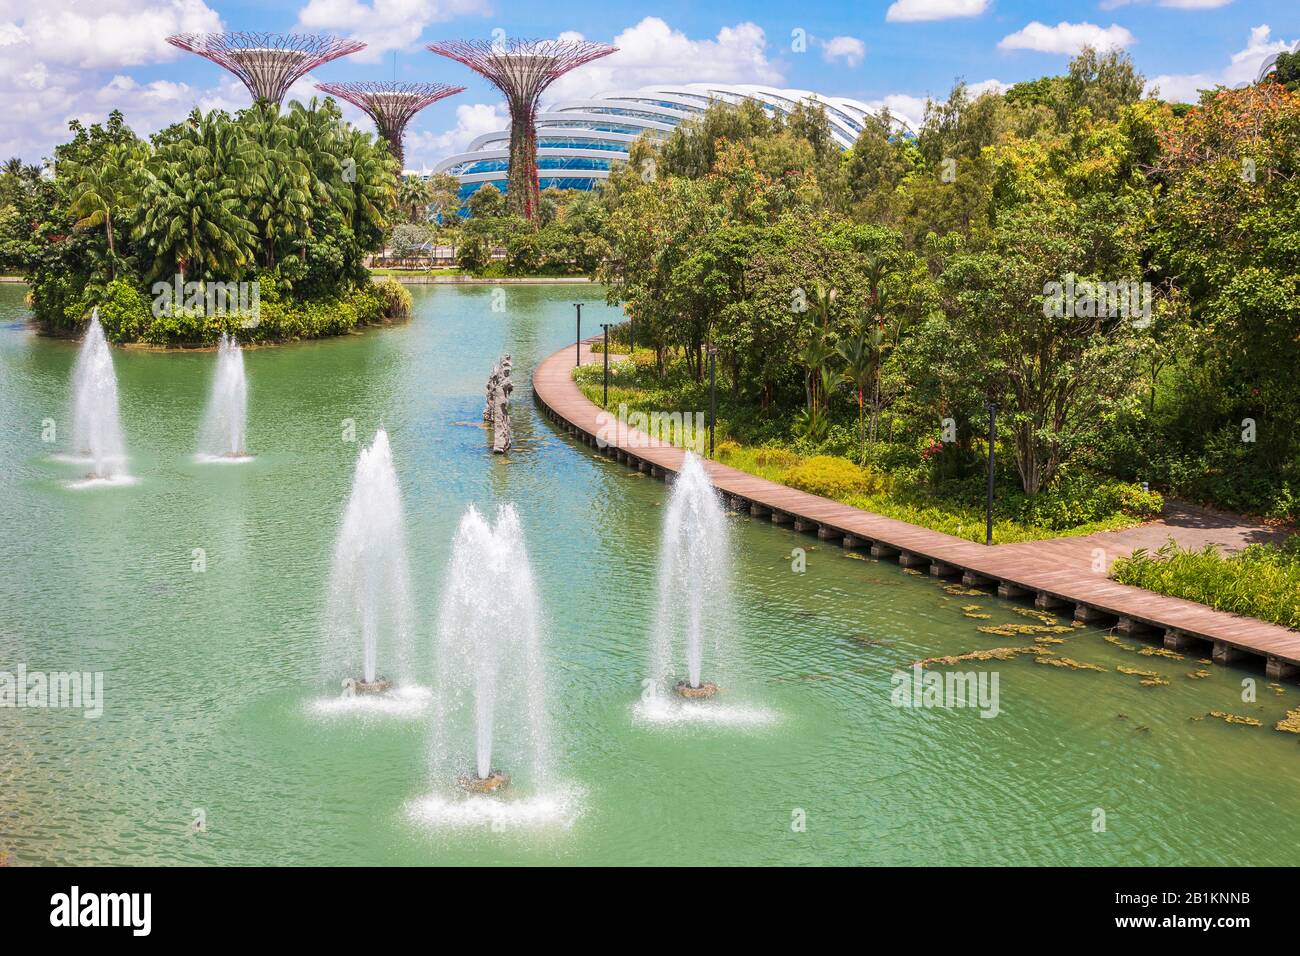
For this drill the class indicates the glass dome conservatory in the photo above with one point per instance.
(578, 140)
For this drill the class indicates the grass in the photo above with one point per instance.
(1262, 581)
(633, 384)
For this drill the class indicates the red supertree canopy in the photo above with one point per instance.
(267, 63)
(391, 105)
(521, 70)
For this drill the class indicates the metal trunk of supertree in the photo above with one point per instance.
(267, 63)
(522, 70)
(391, 105)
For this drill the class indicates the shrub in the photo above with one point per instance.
(776, 457)
(1262, 581)
(832, 477)
(395, 301)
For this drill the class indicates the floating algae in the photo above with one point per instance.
(1154, 682)
(977, 616)
(1014, 630)
(1228, 718)
(962, 590)
(1160, 652)
(855, 556)
(1070, 663)
(1277, 689)
(1042, 617)
(1048, 640)
(1135, 671)
(972, 607)
(1199, 674)
(1112, 639)
(992, 654)
(1290, 724)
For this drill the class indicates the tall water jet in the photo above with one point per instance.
(490, 697)
(96, 427)
(224, 426)
(694, 616)
(370, 608)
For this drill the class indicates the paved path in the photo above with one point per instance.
(1061, 573)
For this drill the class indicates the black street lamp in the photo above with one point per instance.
(577, 341)
(713, 395)
(605, 401)
(992, 408)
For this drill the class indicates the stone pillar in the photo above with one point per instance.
(1046, 602)
(940, 570)
(1089, 615)
(879, 550)
(1176, 640)
(851, 542)
(1010, 591)
(497, 411)
(1226, 653)
(780, 517)
(1277, 669)
(826, 533)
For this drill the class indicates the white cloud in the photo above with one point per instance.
(1175, 4)
(424, 149)
(653, 52)
(384, 25)
(106, 34)
(1242, 68)
(1067, 38)
(907, 11)
(849, 49)
(59, 60)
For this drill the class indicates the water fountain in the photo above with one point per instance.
(370, 607)
(223, 435)
(694, 577)
(489, 699)
(96, 428)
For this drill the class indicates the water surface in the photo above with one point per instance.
(210, 677)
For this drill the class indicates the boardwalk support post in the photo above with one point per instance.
(1048, 602)
(1226, 654)
(1176, 640)
(1277, 669)
(1009, 592)
(940, 570)
(879, 550)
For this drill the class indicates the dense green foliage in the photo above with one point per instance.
(1261, 581)
(1122, 278)
(290, 203)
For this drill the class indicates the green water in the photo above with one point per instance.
(210, 677)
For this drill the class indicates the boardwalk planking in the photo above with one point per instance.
(1063, 573)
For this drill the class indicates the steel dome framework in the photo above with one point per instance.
(522, 70)
(267, 63)
(391, 105)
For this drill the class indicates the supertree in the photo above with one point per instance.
(391, 105)
(267, 63)
(521, 70)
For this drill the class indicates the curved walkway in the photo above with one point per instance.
(1062, 573)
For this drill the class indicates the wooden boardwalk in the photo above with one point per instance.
(1067, 573)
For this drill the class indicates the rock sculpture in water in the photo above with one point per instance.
(496, 409)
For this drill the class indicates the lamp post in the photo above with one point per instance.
(577, 341)
(605, 400)
(992, 408)
(713, 395)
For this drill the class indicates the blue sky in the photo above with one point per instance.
(69, 58)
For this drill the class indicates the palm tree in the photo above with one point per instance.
(415, 196)
(861, 356)
(104, 191)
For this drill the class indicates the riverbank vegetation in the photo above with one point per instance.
(1261, 581)
(257, 224)
(1120, 275)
